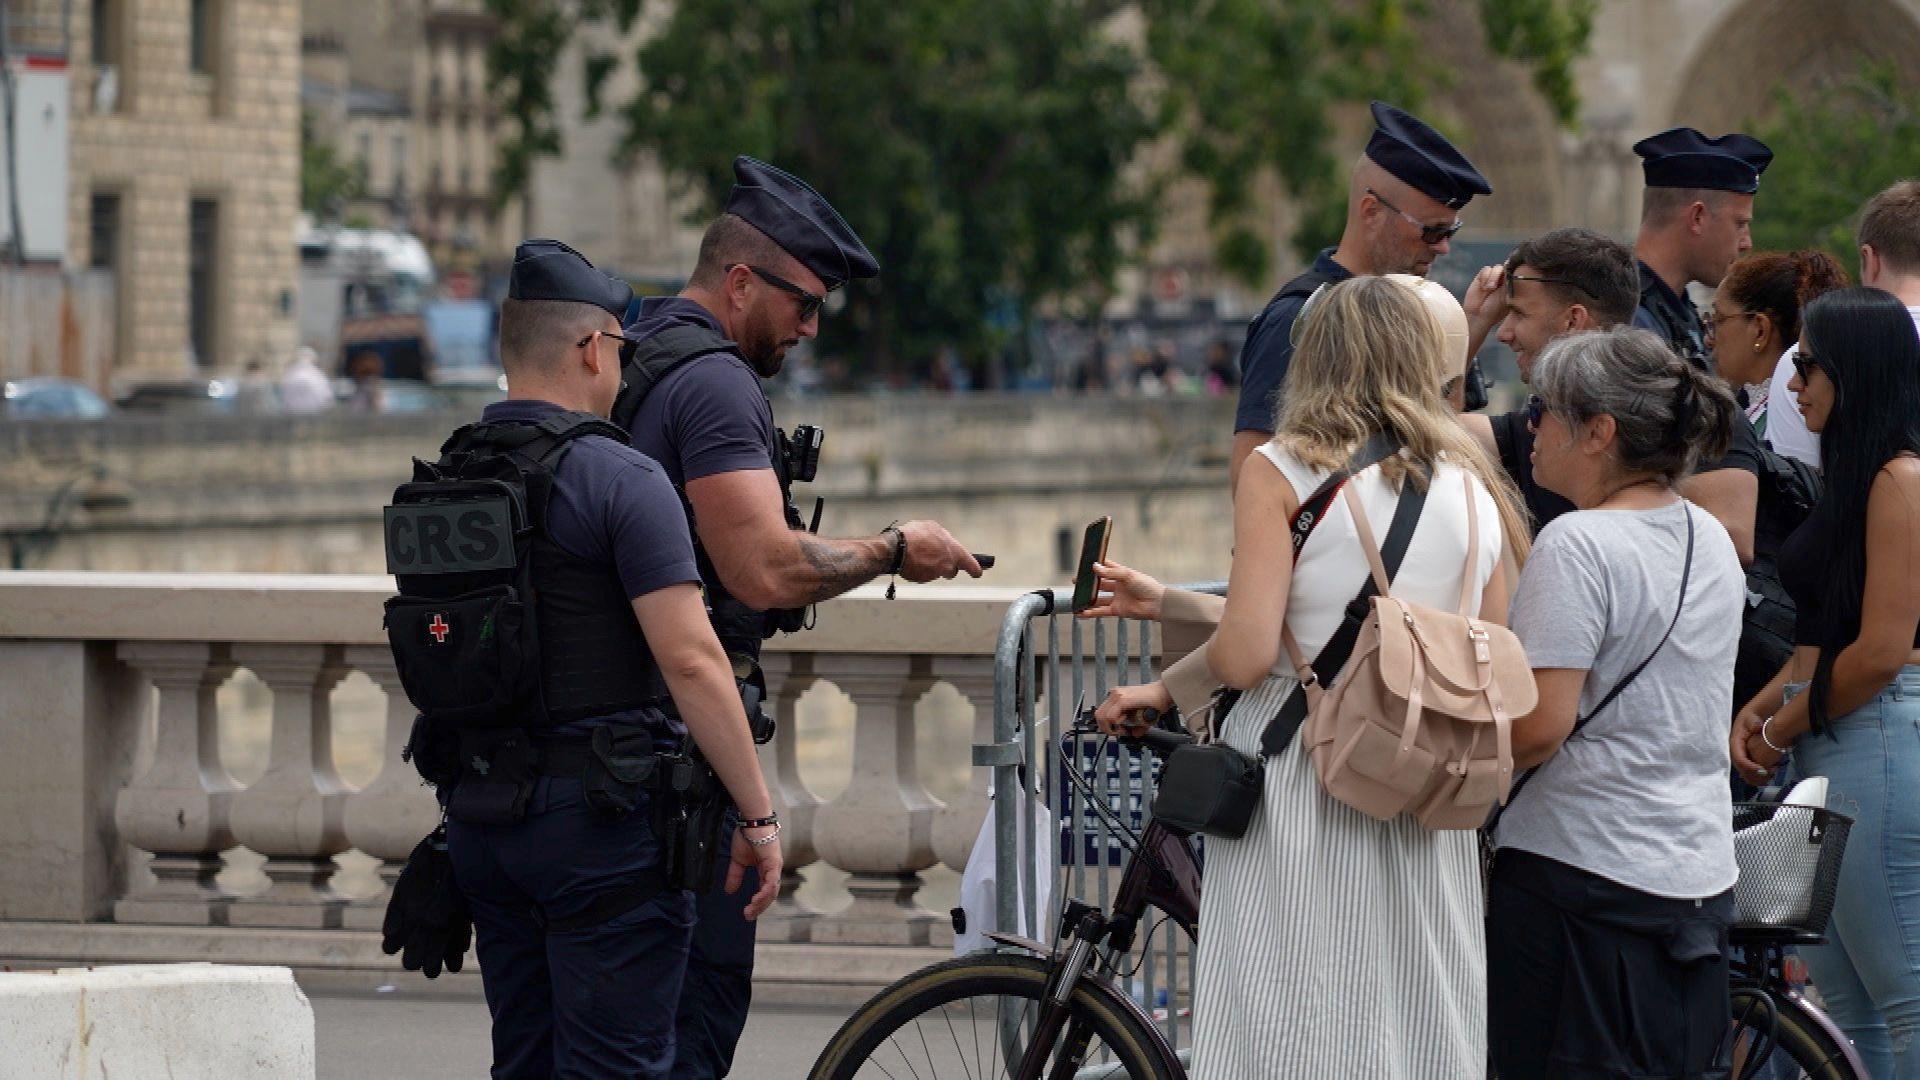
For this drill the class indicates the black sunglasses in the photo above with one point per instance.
(1513, 277)
(627, 344)
(1536, 408)
(1804, 365)
(1429, 234)
(809, 303)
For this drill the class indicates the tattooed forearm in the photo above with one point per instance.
(839, 565)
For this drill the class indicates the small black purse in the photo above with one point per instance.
(1211, 789)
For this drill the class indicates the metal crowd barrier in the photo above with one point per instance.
(1048, 663)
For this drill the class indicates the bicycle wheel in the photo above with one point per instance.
(972, 1017)
(1802, 1048)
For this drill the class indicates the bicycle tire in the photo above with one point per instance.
(1803, 1041)
(1137, 1051)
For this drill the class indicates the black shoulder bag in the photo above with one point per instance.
(1212, 788)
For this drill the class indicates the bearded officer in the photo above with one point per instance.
(582, 944)
(694, 402)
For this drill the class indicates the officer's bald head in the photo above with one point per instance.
(536, 335)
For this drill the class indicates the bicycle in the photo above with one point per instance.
(1060, 1013)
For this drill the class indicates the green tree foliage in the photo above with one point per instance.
(1001, 155)
(1834, 148)
(326, 182)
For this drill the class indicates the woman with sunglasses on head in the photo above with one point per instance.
(1381, 919)
(1611, 884)
(1755, 319)
(1848, 703)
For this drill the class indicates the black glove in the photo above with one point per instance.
(427, 916)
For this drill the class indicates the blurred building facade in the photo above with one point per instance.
(182, 169)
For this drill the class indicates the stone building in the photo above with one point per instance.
(183, 170)
(370, 127)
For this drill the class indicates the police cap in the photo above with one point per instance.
(550, 270)
(1423, 158)
(800, 220)
(1684, 158)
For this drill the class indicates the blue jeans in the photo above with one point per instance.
(1869, 971)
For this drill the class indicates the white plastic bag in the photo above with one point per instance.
(1778, 861)
(980, 889)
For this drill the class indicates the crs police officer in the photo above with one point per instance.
(693, 401)
(1403, 204)
(1695, 219)
(557, 835)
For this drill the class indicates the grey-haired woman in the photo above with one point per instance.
(1611, 887)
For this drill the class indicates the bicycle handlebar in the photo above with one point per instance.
(1156, 740)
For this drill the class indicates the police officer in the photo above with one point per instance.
(1403, 204)
(1695, 219)
(582, 946)
(694, 402)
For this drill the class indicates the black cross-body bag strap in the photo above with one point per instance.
(1686, 575)
(1285, 723)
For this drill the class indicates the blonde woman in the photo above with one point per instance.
(1335, 944)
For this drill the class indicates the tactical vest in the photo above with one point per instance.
(496, 625)
(740, 628)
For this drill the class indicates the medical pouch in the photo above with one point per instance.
(465, 659)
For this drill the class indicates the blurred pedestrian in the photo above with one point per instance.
(255, 393)
(365, 393)
(1221, 373)
(304, 388)
(1612, 881)
(1403, 209)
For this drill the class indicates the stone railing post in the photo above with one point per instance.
(178, 808)
(388, 817)
(789, 676)
(957, 825)
(880, 830)
(295, 814)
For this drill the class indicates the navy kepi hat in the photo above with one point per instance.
(550, 270)
(800, 220)
(1684, 158)
(1423, 158)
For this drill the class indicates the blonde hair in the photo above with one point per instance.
(1365, 358)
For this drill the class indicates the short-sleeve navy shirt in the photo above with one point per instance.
(1269, 349)
(612, 504)
(705, 417)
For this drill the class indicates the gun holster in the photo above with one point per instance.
(692, 821)
(753, 698)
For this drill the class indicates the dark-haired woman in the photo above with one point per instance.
(1849, 701)
(1612, 879)
(1756, 318)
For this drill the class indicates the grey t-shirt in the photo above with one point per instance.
(1640, 795)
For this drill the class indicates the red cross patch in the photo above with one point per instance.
(439, 629)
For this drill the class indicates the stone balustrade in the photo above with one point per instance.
(120, 821)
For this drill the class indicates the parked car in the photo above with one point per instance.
(194, 395)
(48, 397)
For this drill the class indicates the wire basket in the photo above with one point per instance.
(1789, 858)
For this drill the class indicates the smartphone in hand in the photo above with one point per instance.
(1093, 549)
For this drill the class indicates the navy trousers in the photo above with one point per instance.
(591, 1003)
(719, 980)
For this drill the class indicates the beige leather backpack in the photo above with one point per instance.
(1419, 720)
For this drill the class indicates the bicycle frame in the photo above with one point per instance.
(1758, 972)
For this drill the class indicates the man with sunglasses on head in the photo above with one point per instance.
(1564, 282)
(693, 400)
(1403, 208)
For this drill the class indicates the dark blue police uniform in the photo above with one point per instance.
(1684, 158)
(599, 1001)
(705, 416)
(1412, 152)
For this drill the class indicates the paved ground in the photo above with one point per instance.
(366, 1036)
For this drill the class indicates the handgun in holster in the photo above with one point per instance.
(694, 820)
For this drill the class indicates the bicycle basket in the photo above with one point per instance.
(1789, 858)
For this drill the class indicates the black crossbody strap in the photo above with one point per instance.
(1313, 508)
(1293, 712)
(1686, 575)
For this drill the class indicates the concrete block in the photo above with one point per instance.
(184, 1021)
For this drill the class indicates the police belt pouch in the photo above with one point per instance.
(498, 769)
(1210, 788)
(462, 659)
(622, 768)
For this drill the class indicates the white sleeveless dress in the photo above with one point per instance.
(1331, 944)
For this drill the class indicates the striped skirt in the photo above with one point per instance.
(1331, 944)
